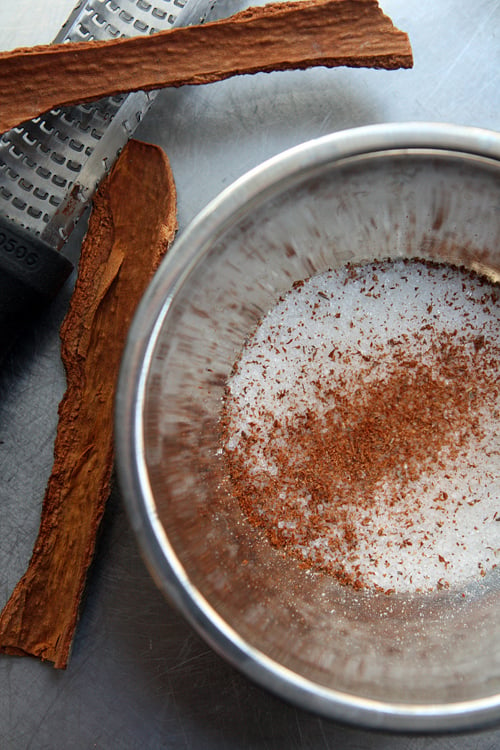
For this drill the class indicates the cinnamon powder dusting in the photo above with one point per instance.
(361, 425)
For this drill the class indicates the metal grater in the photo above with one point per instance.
(50, 167)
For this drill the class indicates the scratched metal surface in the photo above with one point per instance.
(139, 677)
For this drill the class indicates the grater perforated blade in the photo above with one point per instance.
(51, 166)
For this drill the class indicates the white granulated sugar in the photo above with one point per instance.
(332, 369)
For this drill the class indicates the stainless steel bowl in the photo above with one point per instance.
(401, 662)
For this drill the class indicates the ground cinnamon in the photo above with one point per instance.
(374, 460)
(277, 36)
(132, 224)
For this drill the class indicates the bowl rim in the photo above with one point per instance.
(165, 568)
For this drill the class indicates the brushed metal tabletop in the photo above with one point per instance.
(139, 677)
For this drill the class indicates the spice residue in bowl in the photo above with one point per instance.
(361, 425)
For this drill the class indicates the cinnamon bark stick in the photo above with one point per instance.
(123, 247)
(278, 36)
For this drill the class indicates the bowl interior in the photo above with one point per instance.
(420, 649)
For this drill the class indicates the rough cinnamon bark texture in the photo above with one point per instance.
(131, 226)
(278, 36)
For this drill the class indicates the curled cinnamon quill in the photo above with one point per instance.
(123, 247)
(278, 36)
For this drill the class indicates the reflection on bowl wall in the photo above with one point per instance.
(413, 661)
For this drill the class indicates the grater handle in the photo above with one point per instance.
(31, 274)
